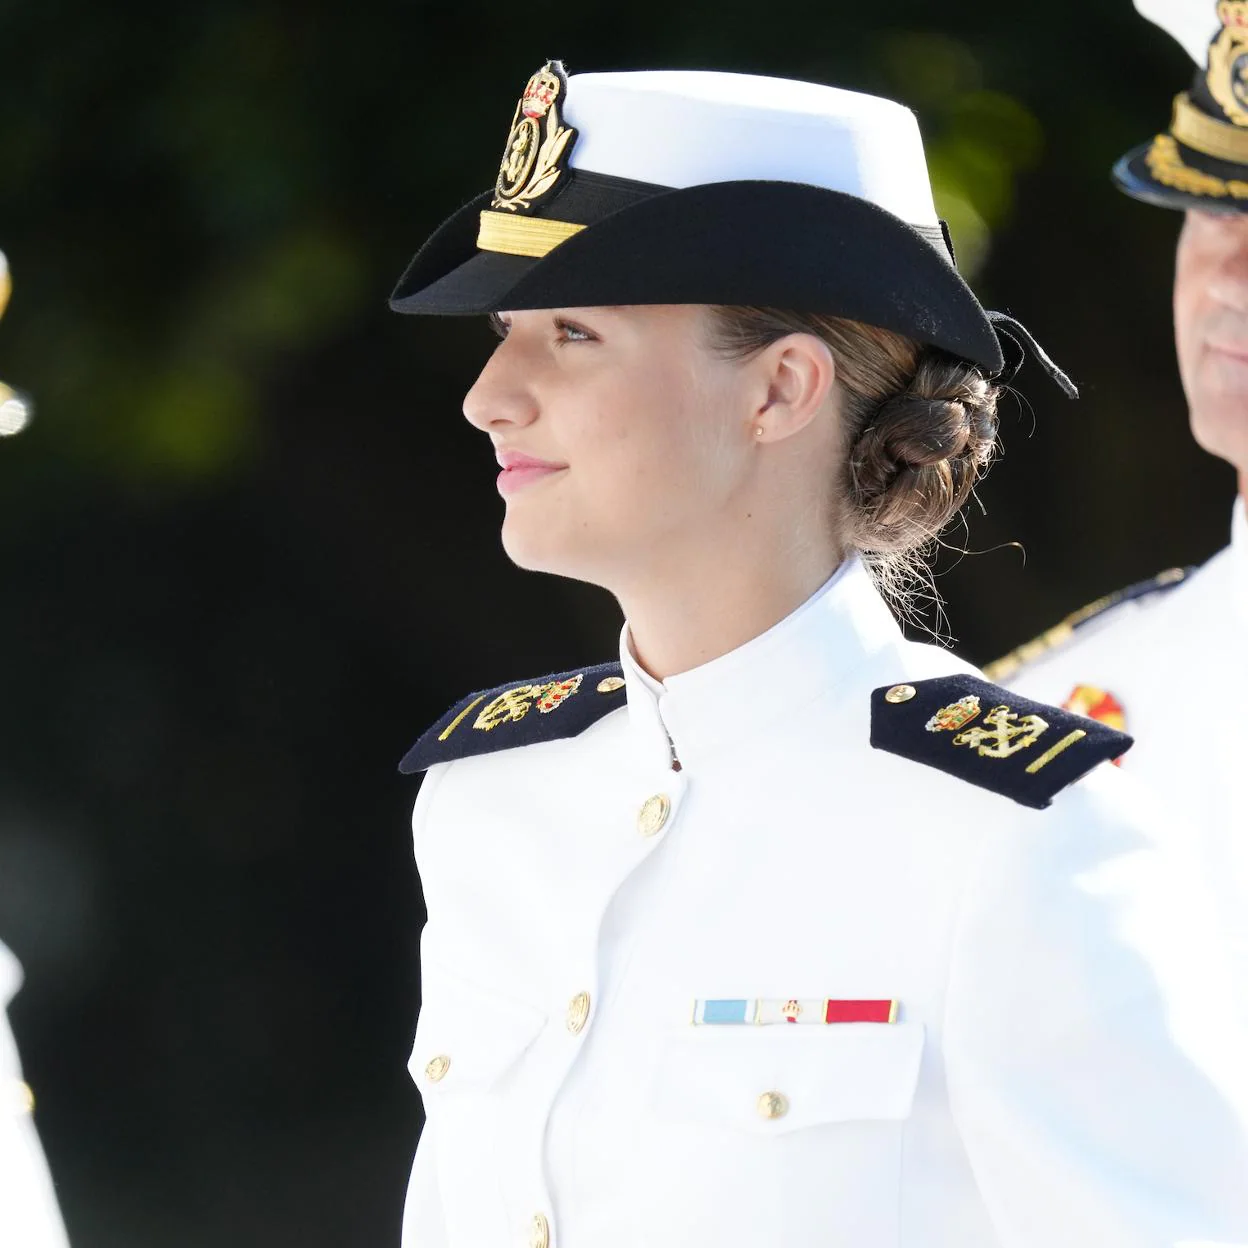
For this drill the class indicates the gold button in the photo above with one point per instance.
(900, 693)
(539, 1232)
(773, 1105)
(610, 684)
(653, 814)
(437, 1067)
(23, 1098)
(578, 1013)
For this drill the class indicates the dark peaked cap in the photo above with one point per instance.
(1201, 161)
(700, 187)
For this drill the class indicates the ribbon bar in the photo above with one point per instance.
(760, 1011)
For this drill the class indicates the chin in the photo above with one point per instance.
(1220, 426)
(537, 547)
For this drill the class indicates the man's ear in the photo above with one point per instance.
(799, 372)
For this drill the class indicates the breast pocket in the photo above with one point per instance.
(467, 1037)
(777, 1080)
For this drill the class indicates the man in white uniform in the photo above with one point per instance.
(29, 1217)
(1167, 661)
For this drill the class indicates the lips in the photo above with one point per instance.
(520, 470)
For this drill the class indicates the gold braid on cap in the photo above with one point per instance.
(1207, 135)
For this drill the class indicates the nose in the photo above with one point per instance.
(499, 398)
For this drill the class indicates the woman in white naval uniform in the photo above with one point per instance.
(782, 929)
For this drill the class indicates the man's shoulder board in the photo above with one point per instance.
(1057, 636)
(990, 737)
(546, 709)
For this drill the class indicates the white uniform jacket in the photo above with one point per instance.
(1174, 665)
(29, 1217)
(1059, 1073)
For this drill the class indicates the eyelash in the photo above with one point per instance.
(564, 330)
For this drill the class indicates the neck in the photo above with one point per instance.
(691, 614)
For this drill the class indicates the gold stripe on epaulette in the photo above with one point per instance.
(1000, 670)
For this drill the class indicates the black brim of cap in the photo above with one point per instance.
(774, 244)
(1215, 178)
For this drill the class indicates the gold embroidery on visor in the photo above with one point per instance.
(523, 236)
(1166, 165)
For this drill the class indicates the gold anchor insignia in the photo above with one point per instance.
(532, 161)
(512, 705)
(1003, 733)
(1228, 61)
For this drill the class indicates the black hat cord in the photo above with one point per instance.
(1016, 342)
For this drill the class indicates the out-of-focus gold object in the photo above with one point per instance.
(14, 407)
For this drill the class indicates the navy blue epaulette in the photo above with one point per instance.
(545, 709)
(990, 737)
(1057, 636)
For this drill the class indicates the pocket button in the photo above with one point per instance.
(773, 1105)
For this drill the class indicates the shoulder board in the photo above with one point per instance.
(990, 737)
(1057, 636)
(546, 709)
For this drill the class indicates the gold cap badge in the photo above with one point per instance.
(1228, 61)
(537, 146)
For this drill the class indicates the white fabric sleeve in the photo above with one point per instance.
(1093, 1041)
(29, 1215)
(423, 1223)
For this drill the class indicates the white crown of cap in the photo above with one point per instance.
(681, 128)
(1193, 23)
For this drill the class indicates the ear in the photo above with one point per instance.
(798, 371)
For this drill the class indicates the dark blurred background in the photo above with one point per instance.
(248, 548)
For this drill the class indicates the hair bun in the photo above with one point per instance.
(919, 456)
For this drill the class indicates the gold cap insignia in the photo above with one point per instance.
(955, 716)
(538, 145)
(1228, 61)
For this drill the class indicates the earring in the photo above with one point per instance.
(759, 431)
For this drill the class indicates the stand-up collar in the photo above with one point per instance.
(737, 695)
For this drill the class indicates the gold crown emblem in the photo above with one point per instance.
(957, 715)
(792, 1010)
(1233, 13)
(541, 92)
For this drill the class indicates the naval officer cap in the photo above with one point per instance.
(674, 186)
(1201, 161)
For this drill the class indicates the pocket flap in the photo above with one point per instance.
(467, 1037)
(774, 1080)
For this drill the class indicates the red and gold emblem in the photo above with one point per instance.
(1098, 704)
(556, 692)
(955, 716)
(534, 158)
